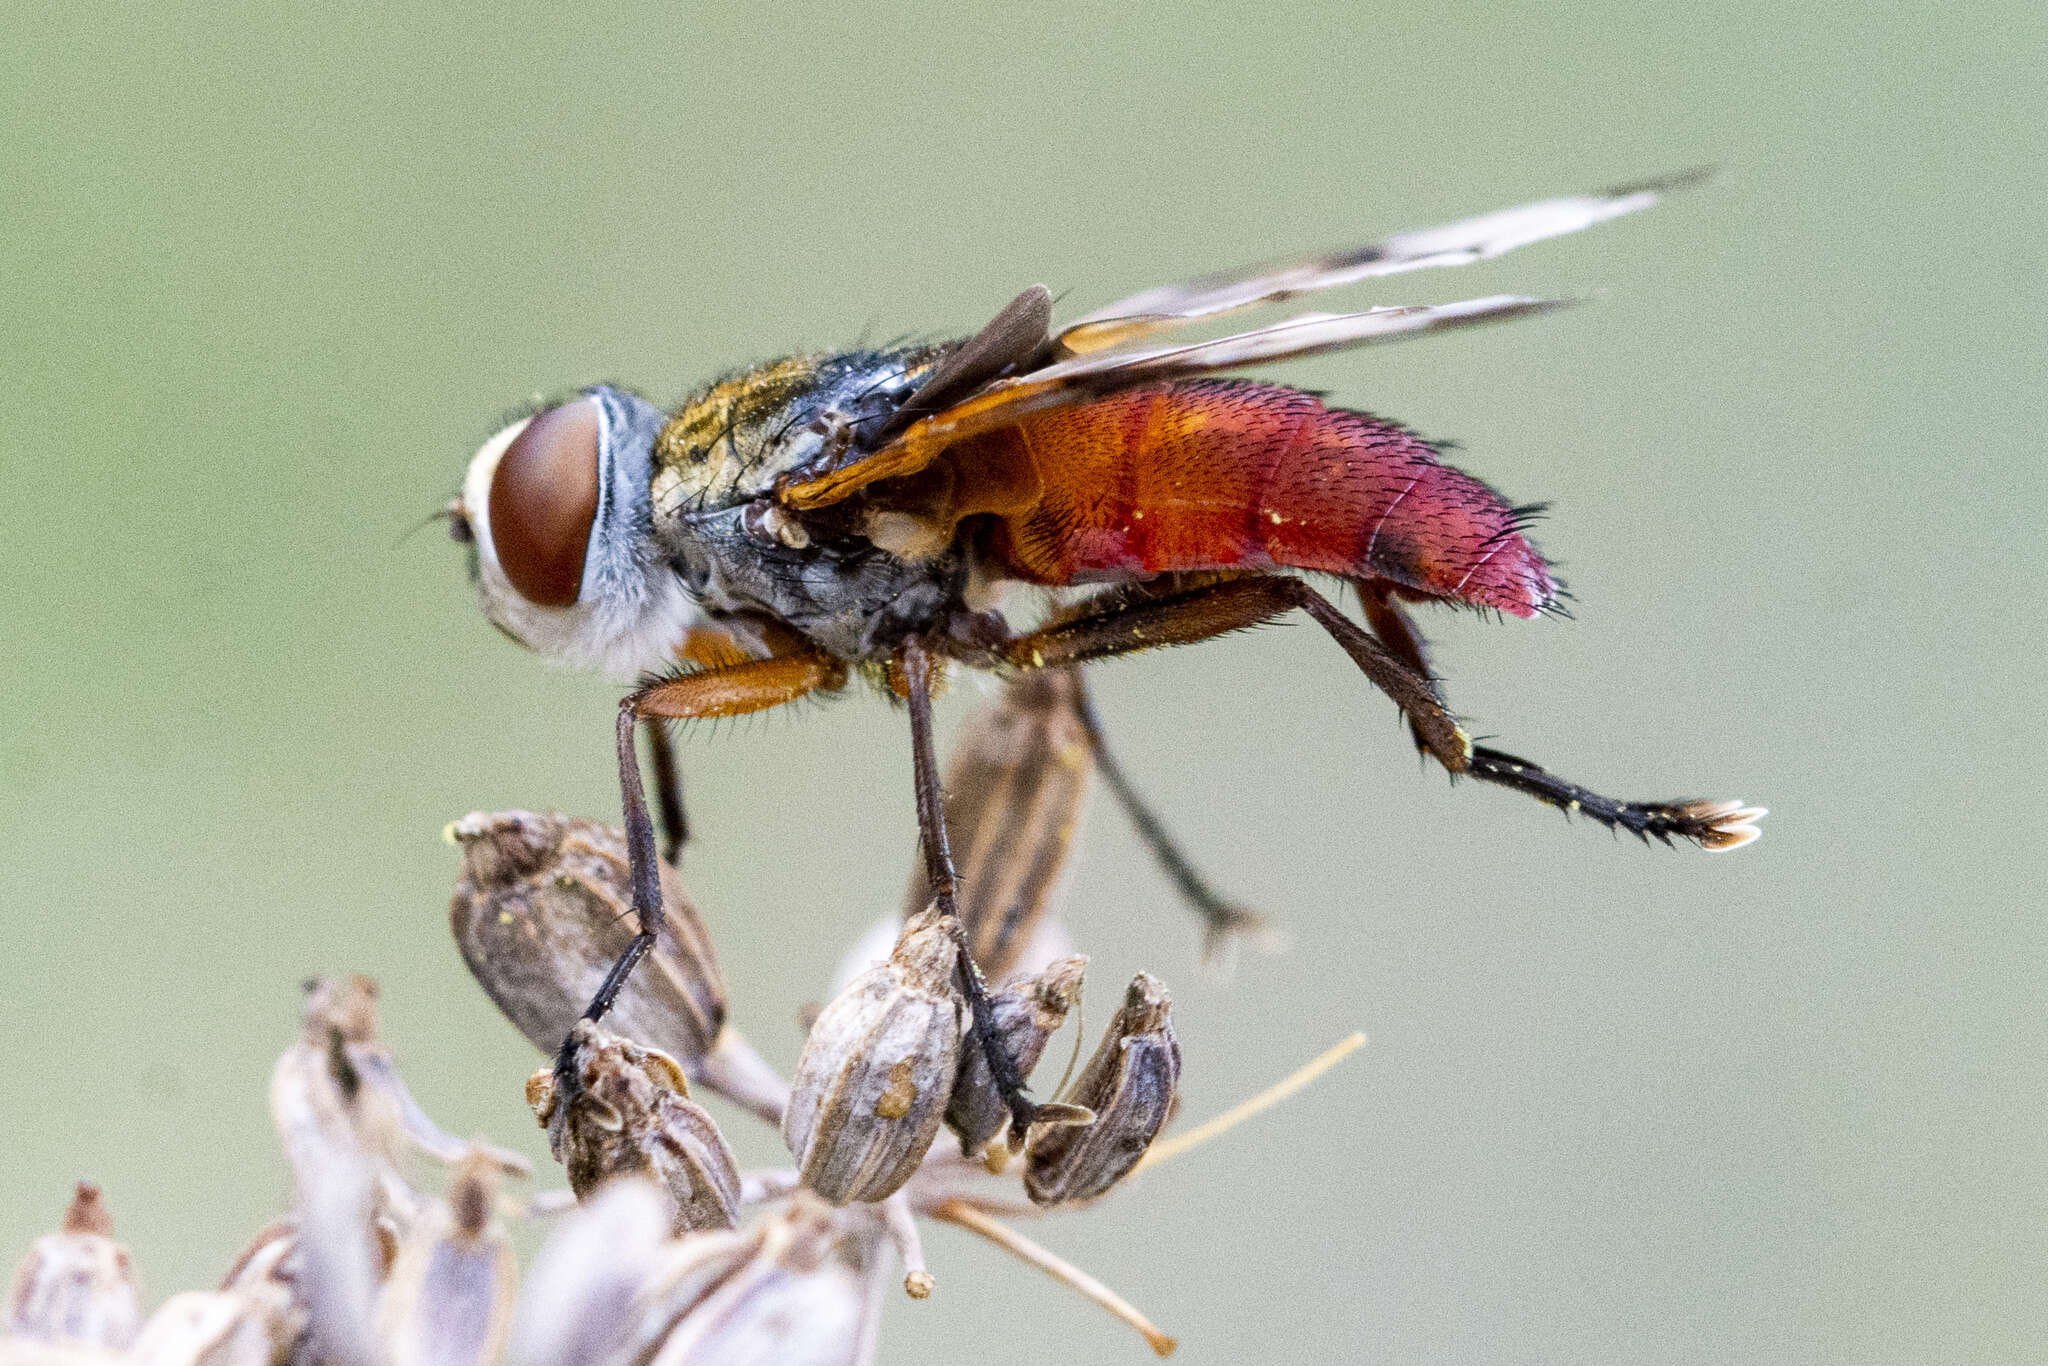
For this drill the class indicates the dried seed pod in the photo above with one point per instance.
(630, 1114)
(877, 1070)
(797, 1290)
(30, 1352)
(579, 1308)
(77, 1285)
(340, 1256)
(1015, 788)
(214, 1328)
(268, 1275)
(325, 1110)
(1026, 1014)
(544, 908)
(1130, 1084)
(448, 1301)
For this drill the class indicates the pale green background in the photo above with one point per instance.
(266, 280)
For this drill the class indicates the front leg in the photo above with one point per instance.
(668, 790)
(729, 691)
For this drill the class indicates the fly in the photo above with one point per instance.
(868, 513)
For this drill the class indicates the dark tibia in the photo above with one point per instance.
(917, 666)
(1233, 604)
(646, 875)
(668, 790)
(1397, 632)
(1225, 922)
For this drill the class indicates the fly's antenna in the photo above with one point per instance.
(454, 514)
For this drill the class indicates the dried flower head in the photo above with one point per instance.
(322, 1100)
(627, 1111)
(581, 1302)
(1131, 1084)
(77, 1285)
(1026, 1014)
(543, 909)
(793, 1290)
(878, 1068)
(448, 1298)
(214, 1328)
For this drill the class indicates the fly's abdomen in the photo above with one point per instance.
(1224, 474)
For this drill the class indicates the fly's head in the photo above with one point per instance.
(557, 508)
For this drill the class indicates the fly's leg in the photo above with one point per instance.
(1713, 825)
(668, 790)
(1225, 924)
(1234, 604)
(915, 668)
(1396, 631)
(729, 691)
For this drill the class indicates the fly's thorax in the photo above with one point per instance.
(716, 465)
(847, 596)
(734, 440)
(628, 610)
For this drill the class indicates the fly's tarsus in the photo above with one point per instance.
(1712, 825)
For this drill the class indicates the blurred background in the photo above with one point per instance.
(267, 279)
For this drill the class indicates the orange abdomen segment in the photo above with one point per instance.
(1226, 474)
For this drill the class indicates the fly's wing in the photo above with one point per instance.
(1082, 378)
(1011, 369)
(1012, 341)
(1454, 244)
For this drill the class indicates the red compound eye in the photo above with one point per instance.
(543, 501)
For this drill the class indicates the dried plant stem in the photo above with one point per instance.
(1246, 1109)
(902, 1228)
(1052, 1264)
(734, 1070)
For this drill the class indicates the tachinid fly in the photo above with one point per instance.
(822, 516)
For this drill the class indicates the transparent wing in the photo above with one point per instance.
(1151, 311)
(1087, 377)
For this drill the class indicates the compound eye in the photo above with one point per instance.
(543, 501)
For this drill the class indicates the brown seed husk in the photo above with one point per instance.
(877, 1070)
(542, 910)
(77, 1286)
(1130, 1084)
(448, 1300)
(1026, 1015)
(792, 1291)
(630, 1114)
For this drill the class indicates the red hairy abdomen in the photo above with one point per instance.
(1230, 474)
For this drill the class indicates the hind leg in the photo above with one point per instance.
(1237, 603)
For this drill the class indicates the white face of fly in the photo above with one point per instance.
(566, 560)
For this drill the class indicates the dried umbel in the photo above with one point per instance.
(215, 1328)
(1026, 1015)
(339, 1105)
(448, 1298)
(627, 1112)
(878, 1068)
(1131, 1085)
(76, 1285)
(322, 1099)
(794, 1290)
(542, 910)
